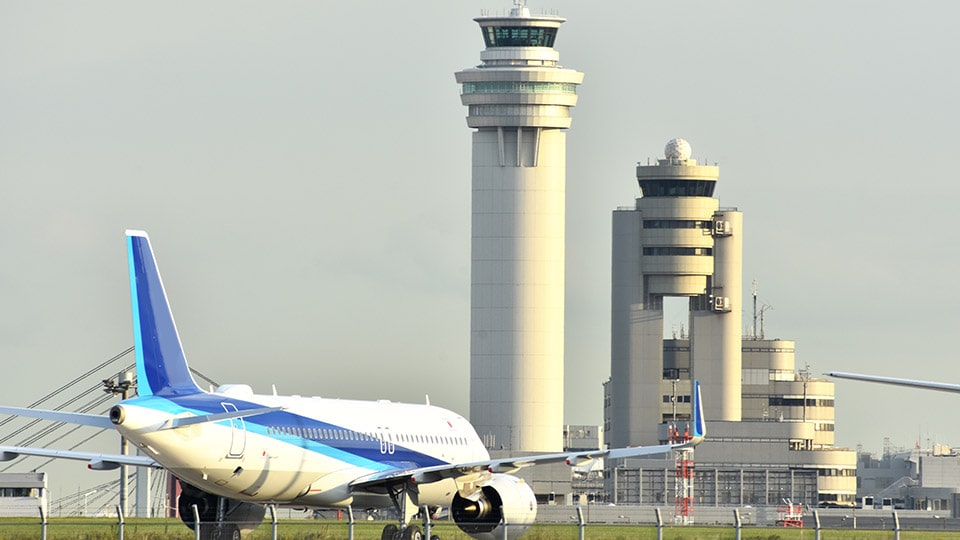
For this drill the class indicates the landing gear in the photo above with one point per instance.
(220, 518)
(404, 498)
(410, 532)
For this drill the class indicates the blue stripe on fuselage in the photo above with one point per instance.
(360, 452)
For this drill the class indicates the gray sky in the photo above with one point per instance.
(303, 169)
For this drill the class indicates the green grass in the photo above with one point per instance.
(162, 529)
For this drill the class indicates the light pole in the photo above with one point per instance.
(121, 386)
(85, 495)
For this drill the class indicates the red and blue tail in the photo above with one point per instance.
(161, 365)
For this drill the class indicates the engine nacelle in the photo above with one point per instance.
(505, 499)
(240, 517)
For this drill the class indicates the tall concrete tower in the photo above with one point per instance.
(675, 242)
(518, 102)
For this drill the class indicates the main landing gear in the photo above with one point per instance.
(404, 499)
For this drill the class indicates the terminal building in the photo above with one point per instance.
(769, 425)
(913, 479)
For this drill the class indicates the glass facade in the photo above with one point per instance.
(519, 110)
(674, 251)
(677, 188)
(677, 224)
(499, 87)
(519, 36)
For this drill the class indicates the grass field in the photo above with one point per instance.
(158, 529)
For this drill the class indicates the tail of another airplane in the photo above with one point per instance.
(161, 365)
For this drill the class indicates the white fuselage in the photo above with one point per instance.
(308, 454)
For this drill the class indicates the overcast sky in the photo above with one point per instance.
(303, 169)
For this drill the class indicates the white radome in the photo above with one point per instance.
(678, 149)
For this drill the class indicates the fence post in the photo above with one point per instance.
(43, 524)
(196, 522)
(350, 522)
(119, 523)
(736, 522)
(273, 521)
(816, 525)
(656, 512)
(896, 526)
(581, 521)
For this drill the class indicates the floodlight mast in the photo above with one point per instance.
(121, 385)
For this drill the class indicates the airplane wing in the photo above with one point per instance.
(929, 385)
(97, 461)
(426, 475)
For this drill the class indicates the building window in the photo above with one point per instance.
(677, 224)
(507, 87)
(677, 251)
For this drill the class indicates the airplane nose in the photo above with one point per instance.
(117, 415)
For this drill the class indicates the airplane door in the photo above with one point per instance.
(238, 433)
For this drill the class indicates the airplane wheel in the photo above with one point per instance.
(390, 532)
(412, 533)
(434, 537)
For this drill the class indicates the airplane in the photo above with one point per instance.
(233, 451)
(928, 385)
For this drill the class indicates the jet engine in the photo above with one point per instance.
(238, 516)
(504, 500)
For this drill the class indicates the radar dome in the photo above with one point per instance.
(677, 149)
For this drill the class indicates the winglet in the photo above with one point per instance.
(161, 365)
(699, 426)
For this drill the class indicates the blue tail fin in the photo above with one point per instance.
(699, 426)
(161, 365)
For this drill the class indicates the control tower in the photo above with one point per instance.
(519, 101)
(675, 242)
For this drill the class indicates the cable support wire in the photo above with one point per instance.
(73, 382)
(62, 406)
(205, 378)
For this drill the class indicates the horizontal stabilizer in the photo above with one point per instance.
(94, 420)
(203, 419)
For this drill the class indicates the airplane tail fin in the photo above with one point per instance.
(161, 365)
(699, 426)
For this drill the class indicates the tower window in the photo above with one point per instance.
(518, 36)
(674, 251)
(677, 224)
(677, 188)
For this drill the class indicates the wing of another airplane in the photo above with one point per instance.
(929, 385)
(97, 461)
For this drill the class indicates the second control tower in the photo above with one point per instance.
(676, 242)
(518, 102)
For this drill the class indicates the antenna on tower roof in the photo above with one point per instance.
(758, 330)
(520, 9)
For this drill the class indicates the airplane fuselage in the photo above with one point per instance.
(309, 453)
